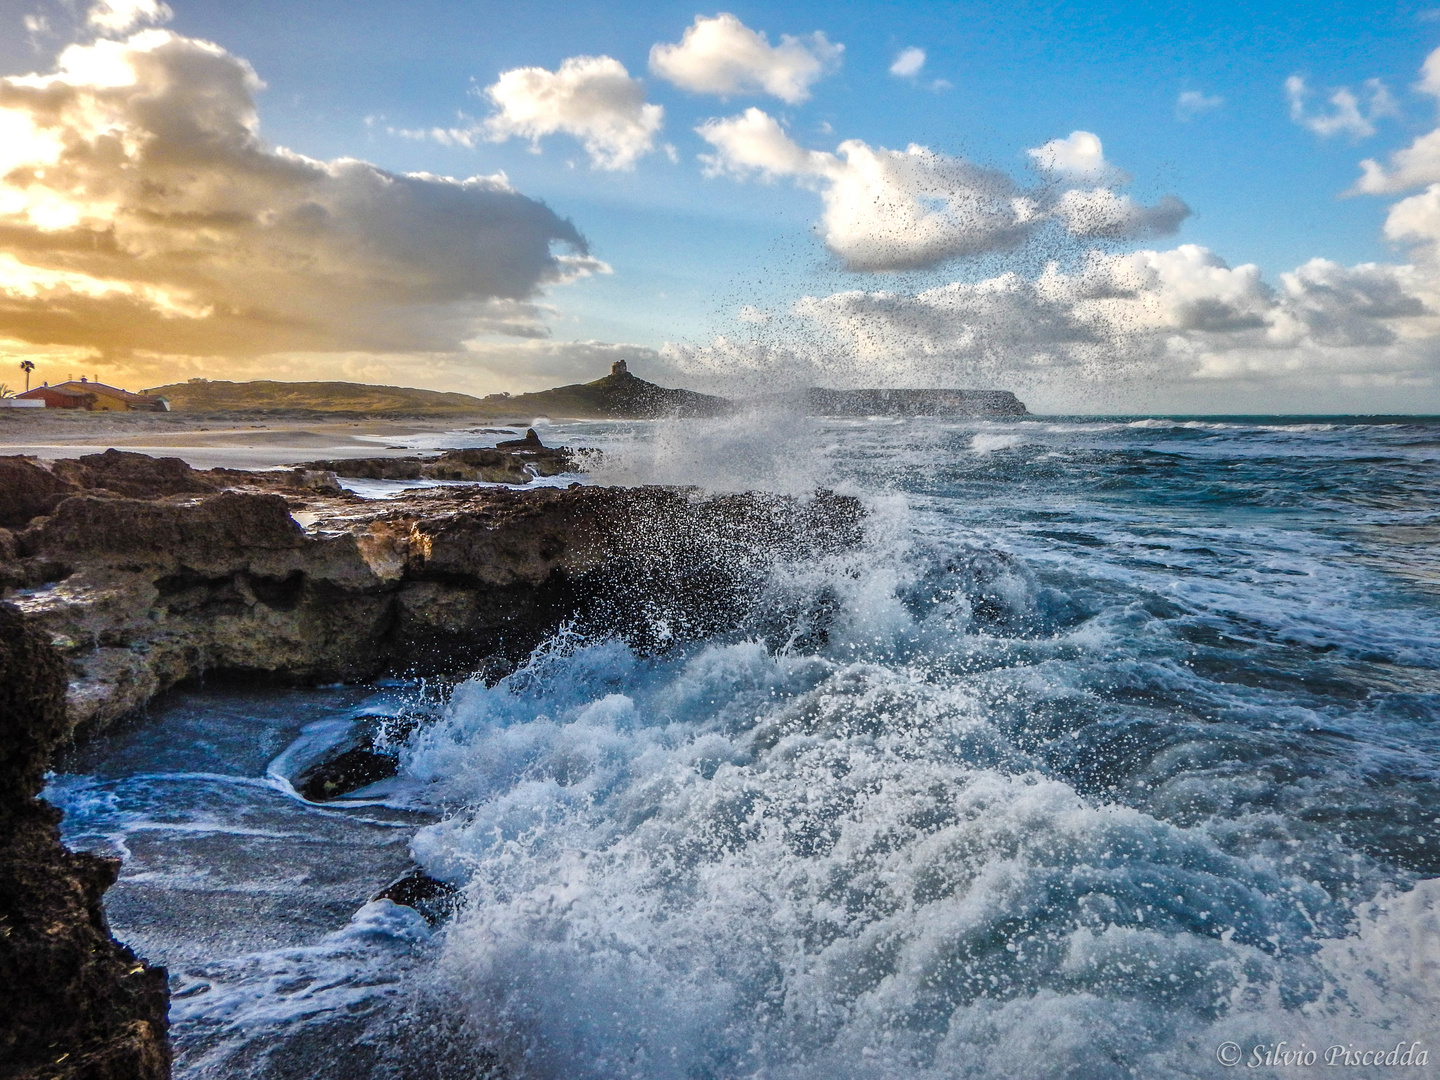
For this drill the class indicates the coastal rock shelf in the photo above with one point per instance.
(142, 593)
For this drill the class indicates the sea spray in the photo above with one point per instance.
(1113, 749)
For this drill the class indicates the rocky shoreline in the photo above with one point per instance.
(128, 575)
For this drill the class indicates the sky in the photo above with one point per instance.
(1198, 208)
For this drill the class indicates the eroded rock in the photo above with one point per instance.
(77, 1003)
(27, 490)
(141, 594)
(137, 475)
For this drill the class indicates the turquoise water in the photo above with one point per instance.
(1118, 743)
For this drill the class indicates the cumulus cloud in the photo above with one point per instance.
(1191, 103)
(121, 16)
(914, 208)
(721, 55)
(1078, 156)
(1416, 220)
(1114, 317)
(1417, 164)
(1101, 214)
(140, 211)
(1349, 114)
(883, 209)
(592, 98)
(908, 63)
(754, 142)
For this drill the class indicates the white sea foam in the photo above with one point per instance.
(850, 864)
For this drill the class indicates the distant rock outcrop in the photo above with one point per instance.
(619, 395)
(979, 404)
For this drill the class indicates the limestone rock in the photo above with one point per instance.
(141, 594)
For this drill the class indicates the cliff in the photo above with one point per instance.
(979, 404)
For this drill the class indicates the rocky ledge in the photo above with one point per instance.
(144, 573)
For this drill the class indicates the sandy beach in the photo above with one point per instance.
(215, 440)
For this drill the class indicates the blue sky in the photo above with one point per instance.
(689, 251)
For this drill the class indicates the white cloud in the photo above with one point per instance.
(913, 208)
(1430, 75)
(908, 63)
(141, 211)
(1349, 114)
(121, 16)
(1191, 103)
(905, 209)
(1416, 219)
(1417, 164)
(1101, 214)
(721, 55)
(592, 98)
(754, 142)
(883, 209)
(1181, 315)
(1078, 156)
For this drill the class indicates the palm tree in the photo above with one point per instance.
(27, 366)
(5, 391)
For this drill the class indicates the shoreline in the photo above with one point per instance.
(129, 576)
(232, 440)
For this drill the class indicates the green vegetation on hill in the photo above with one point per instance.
(200, 395)
(616, 396)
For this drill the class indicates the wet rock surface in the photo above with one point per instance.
(515, 461)
(434, 899)
(142, 593)
(77, 1003)
(372, 753)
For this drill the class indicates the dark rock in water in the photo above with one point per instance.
(371, 754)
(77, 1003)
(531, 441)
(28, 490)
(516, 461)
(381, 468)
(478, 463)
(351, 770)
(436, 900)
(136, 475)
(139, 595)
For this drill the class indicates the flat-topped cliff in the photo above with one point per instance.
(979, 404)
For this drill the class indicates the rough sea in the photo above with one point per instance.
(1114, 752)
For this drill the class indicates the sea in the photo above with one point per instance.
(1113, 751)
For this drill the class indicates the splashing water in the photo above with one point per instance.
(1117, 742)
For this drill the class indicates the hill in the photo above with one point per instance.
(201, 395)
(617, 396)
